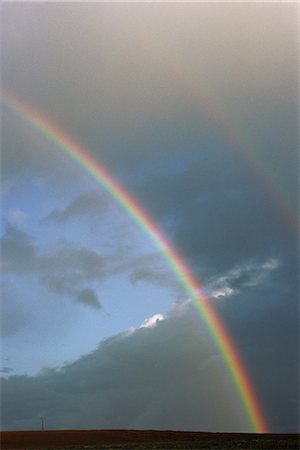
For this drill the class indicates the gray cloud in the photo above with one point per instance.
(142, 378)
(194, 109)
(18, 251)
(264, 321)
(66, 268)
(71, 284)
(120, 79)
(216, 215)
(170, 93)
(6, 370)
(64, 282)
(69, 266)
(89, 298)
(90, 203)
(166, 376)
(69, 257)
(15, 316)
(157, 275)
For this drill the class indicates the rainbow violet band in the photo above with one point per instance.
(96, 170)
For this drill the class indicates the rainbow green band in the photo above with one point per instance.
(218, 332)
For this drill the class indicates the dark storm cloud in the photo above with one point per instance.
(144, 378)
(148, 89)
(26, 154)
(263, 320)
(88, 204)
(155, 111)
(144, 395)
(168, 377)
(121, 80)
(218, 217)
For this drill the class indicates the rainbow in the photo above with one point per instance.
(220, 335)
(200, 95)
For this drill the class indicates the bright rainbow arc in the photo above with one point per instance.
(218, 332)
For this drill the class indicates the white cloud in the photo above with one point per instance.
(223, 292)
(247, 275)
(271, 264)
(152, 321)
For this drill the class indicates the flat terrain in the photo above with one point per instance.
(144, 439)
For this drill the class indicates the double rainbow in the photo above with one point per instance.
(96, 170)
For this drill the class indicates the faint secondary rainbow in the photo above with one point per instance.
(201, 98)
(218, 332)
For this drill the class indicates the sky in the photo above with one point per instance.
(193, 109)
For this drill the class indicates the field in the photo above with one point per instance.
(143, 439)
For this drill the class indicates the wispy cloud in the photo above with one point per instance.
(90, 203)
(156, 273)
(6, 370)
(17, 216)
(247, 275)
(68, 269)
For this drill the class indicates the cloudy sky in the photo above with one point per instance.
(193, 109)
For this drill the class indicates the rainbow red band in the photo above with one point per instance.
(219, 334)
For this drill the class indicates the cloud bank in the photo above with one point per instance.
(165, 374)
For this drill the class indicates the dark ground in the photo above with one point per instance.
(144, 439)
